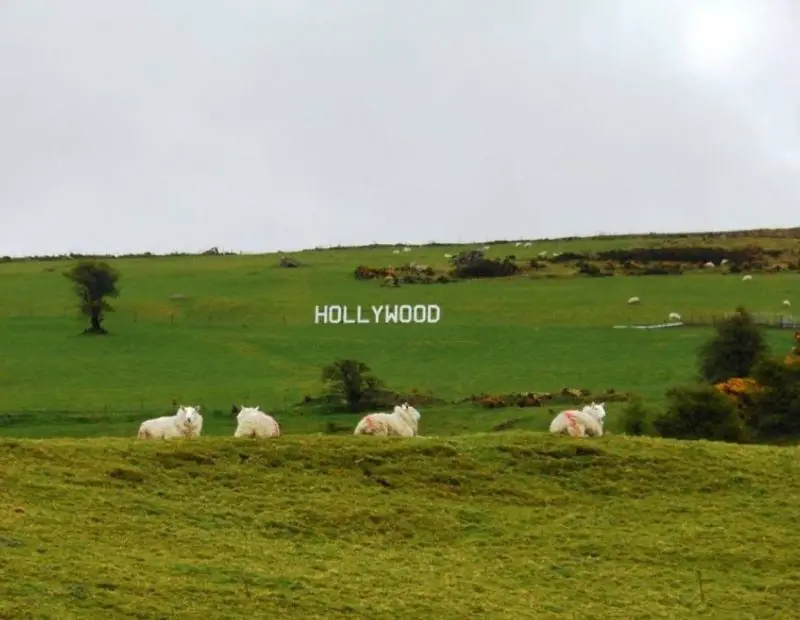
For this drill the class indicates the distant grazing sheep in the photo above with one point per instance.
(724, 261)
(253, 423)
(747, 278)
(396, 252)
(406, 249)
(787, 303)
(402, 422)
(674, 316)
(543, 254)
(634, 300)
(527, 244)
(187, 422)
(517, 244)
(709, 265)
(486, 248)
(448, 256)
(586, 422)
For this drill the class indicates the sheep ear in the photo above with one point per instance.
(235, 409)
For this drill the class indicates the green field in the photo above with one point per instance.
(505, 525)
(466, 522)
(244, 333)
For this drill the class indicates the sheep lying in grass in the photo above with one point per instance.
(187, 422)
(588, 422)
(674, 316)
(747, 278)
(787, 303)
(634, 300)
(253, 423)
(402, 422)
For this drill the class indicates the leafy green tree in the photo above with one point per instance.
(353, 382)
(735, 349)
(94, 282)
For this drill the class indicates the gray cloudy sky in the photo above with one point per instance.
(279, 124)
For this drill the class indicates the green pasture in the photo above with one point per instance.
(503, 526)
(242, 331)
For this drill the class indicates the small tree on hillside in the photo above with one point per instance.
(94, 282)
(735, 349)
(353, 382)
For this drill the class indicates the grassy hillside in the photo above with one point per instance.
(510, 525)
(243, 332)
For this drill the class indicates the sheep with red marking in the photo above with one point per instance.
(402, 422)
(588, 422)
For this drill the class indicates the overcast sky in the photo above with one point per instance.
(260, 125)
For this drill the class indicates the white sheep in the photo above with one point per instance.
(586, 422)
(709, 265)
(747, 278)
(486, 248)
(674, 316)
(787, 303)
(448, 256)
(527, 244)
(543, 254)
(724, 261)
(253, 423)
(634, 300)
(406, 249)
(402, 422)
(187, 422)
(517, 244)
(395, 251)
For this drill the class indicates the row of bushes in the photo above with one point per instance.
(466, 265)
(570, 396)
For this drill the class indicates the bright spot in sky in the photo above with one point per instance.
(718, 36)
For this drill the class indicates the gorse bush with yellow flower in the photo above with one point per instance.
(740, 389)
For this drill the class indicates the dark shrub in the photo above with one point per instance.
(735, 349)
(474, 265)
(701, 412)
(776, 408)
(589, 269)
(637, 418)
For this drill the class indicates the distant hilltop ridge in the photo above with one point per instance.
(756, 233)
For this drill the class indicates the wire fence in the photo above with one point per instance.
(774, 320)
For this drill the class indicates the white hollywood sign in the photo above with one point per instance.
(406, 313)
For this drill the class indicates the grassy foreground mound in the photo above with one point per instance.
(510, 525)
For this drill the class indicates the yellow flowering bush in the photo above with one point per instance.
(739, 389)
